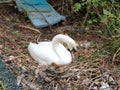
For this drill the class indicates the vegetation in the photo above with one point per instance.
(2, 86)
(104, 14)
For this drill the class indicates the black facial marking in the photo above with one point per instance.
(73, 50)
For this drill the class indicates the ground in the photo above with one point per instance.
(90, 69)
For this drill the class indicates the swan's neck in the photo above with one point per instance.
(57, 41)
(60, 39)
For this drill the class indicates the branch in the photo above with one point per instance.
(27, 27)
(113, 60)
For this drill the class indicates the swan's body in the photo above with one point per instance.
(47, 53)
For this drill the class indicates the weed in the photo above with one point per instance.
(105, 15)
(14, 32)
(100, 12)
(2, 86)
(119, 66)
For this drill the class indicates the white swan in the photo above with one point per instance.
(53, 52)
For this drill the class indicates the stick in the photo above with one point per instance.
(39, 37)
(27, 27)
(6, 2)
(13, 58)
(113, 60)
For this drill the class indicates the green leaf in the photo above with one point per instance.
(103, 3)
(77, 7)
(89, 21)
(87, 29)
(95, 3)
(88, 1)
(95, 20)
(105, 12)
(104, 19)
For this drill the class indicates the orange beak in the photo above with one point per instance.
(73, 56)
(72, 53)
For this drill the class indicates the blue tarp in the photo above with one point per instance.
(7, 77)
(40, 12)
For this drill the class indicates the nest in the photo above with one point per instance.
(66, 78)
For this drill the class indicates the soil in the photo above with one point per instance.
(89, 70)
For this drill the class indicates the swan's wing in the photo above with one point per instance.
(42, 52)
(65, 55)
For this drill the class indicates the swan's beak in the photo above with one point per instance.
(72, 52)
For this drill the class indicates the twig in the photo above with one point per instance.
(117, 36)
(85, 18)
(39, 37)
(31, 85)
(19, 79)
(27, 27)
(71, 6)
(93, 83)
(95, 78)
(6, 2)
(14, 58)
(113, 60)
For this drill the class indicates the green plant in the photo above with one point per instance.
(119, 66)
(2, 86)
(113, 45)
(103, 13)
(14, 32)
(25, 14)
(76, 7)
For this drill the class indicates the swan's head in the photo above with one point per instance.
(72, 45)
(64, 39)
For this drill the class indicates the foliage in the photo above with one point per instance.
(101, 12)
(104, 14)
(113, 45)
(76, 7)
(2, 86)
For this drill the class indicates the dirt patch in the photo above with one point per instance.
(90, 70)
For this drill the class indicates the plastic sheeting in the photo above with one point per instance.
(40, 12)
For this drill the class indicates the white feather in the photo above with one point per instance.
(47, 53)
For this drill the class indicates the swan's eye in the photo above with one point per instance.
(69, 50)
